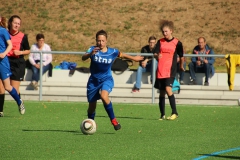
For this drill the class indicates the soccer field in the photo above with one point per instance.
(50, 130)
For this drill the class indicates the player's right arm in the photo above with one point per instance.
(179, 49)
(91, 51)
(156, 51)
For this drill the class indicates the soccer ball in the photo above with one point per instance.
(88, 126)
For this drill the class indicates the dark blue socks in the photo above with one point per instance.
(109, 110)
(91, 115)
(15, 96)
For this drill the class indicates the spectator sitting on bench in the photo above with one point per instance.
(34, 59)
(201, 64)
(146, 64)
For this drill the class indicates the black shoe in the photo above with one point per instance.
(115, 124)
(206, 84)
(117, 127)
(192, 82)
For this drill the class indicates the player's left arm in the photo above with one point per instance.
(134, 58)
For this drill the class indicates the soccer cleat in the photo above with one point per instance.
(117, 127)
(135, 90)
(172, 117)
(21, 108)
(115, 124)
(1, 114)
(162, 118)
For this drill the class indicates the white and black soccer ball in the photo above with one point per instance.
(88, 126)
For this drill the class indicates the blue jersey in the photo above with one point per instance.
(101, 74)
(101, 63)
(4, 63)
(4, 37)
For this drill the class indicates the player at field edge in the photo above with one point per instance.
(5, 72)
(166, 52)
(100, 82)
(16, 56)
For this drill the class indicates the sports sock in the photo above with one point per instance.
(162, 105)
(15, 96)
(109, 110)
(173, 104)
(91, 115)
(2, 99)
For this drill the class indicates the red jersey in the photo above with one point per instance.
(167, 64)
(19, 42)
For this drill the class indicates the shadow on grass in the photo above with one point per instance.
(121, 117)
(221, 156)
(67, 131)
(37, 130)
(125, 117)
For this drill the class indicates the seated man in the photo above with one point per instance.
(146, 64)
(34, 59)
(201, 64)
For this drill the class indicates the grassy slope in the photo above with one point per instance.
(70, 25)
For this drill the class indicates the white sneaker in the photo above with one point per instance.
(181, 82)
(21, 108)
(1, 114)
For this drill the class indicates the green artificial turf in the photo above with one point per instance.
(50, 130)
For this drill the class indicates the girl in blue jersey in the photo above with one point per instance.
(101, 82)
(5, 73)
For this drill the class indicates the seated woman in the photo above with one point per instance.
(34, 59)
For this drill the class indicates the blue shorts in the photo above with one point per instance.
(94, 87)
(5, 71)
